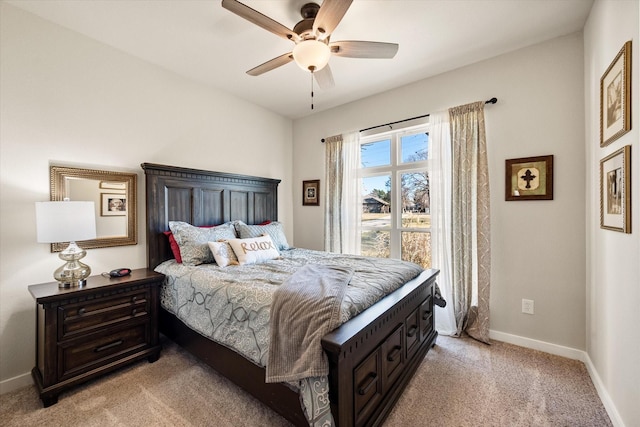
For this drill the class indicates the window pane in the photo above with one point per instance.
(375, 243)
(376, 201)
(416, 247)
(376, 153)
(414, 147)
(415, 200)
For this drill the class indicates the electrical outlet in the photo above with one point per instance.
(527, 306)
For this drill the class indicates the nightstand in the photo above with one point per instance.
(85, 332)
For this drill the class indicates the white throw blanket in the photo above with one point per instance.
(304, 309)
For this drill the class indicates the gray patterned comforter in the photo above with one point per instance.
(231, 305)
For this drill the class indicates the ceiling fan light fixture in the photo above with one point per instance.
(311, 55)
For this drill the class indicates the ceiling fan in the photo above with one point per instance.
(312, 49)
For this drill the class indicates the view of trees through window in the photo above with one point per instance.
(396, 219)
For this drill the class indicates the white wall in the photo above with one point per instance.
(613, 258)
(66, 99)
(538, 247)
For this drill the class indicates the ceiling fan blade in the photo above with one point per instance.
(271, 64)
(364, 49)
(329, 16)
(324, 78)
(259, 19)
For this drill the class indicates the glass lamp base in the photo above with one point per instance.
(74, 273)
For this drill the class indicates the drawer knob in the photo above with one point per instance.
(133, 312)
(133, 299)
(367, 383)
(82, 310)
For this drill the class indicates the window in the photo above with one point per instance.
(394, 173)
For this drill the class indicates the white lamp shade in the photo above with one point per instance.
(65, 221)
(311, 55)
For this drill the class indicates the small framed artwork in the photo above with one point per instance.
(311, 193)
(615, 97)
(529, 178)
(112, 204)
(615, 191)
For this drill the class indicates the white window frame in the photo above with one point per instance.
(395, 169)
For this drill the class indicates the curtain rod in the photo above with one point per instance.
(490, 101)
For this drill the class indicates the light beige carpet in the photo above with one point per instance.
(460, 383)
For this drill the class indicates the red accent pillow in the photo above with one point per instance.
(265, 222)
(174, 246)
(175, 249)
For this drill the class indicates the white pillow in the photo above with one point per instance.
(254, 250)
(222, 253)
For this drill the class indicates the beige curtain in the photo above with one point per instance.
(470, 221)
(343, 205)
(334, 167)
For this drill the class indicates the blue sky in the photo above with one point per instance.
(378, 154)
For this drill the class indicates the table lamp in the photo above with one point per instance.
(67, 221)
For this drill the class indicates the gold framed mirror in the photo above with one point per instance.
(114, 194)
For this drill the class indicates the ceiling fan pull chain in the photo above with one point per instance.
(311, 89)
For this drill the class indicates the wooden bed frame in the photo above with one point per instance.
(372, 357)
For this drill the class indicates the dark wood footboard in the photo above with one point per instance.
(373, 356)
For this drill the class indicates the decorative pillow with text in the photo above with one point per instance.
(254, 250)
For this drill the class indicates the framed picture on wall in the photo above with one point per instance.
(615, 97)
(615, 191)
(529, 178)
(311, 192)
(112, 204)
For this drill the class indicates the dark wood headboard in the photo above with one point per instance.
(202, 197)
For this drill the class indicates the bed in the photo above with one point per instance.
(371, 357)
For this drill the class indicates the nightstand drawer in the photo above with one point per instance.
(86, 316)
(81, 355)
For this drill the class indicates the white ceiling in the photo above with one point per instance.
(204, 42)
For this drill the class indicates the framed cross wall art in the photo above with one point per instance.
(311, 192)
(529, 178)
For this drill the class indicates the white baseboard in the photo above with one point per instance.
(570, 353)
(558, 350)
(612, 411)
(15, 383)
